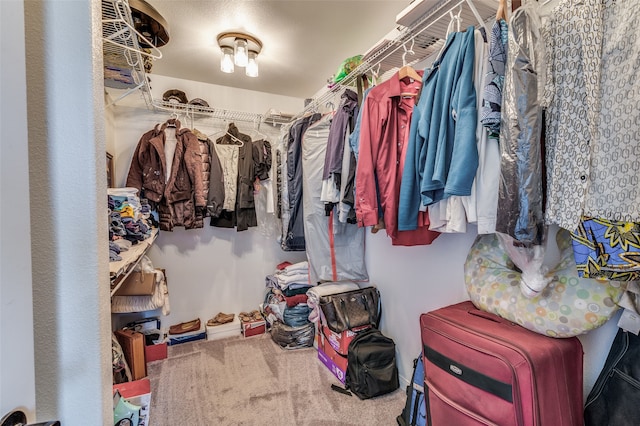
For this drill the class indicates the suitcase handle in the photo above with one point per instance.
(485, 315)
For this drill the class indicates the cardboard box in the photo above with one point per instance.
(137, 284)
(132, 344)
(138, 393)
(340, 341)
(155, 352)
(145, 325)
(222, 331)
(253, 328)
(335, 362)
(176, 339)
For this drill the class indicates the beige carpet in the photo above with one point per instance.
(253, 381)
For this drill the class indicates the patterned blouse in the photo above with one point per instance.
(592, 96)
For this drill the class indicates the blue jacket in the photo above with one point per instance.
(442, 155)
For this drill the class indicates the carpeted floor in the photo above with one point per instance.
(253, 381)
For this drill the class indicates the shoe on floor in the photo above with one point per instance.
(185, 327)
(221, 318)
(250, 316)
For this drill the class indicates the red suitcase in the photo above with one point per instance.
(481, 369)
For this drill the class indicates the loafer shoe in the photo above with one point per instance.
(185, 327)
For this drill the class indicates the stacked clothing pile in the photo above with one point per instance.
(129, 220)
(286, 307)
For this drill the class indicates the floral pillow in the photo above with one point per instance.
(568, 306)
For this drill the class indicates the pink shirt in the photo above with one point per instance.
(386, 117)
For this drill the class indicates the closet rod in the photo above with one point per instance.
(215, 113)
(408, 34)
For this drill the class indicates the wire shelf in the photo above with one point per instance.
(426, 36)
(124, 59)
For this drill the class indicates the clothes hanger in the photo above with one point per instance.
(330, 106)
(258, 132)
(375, 74)
(406, 70)
(171, 121)
(235, 139)
(232, 136)
(502, 11)
(455, 19)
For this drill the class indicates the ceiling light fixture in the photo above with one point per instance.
(239, 49)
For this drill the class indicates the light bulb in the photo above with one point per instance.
(226, 63)
(252, 65)
(240, 54)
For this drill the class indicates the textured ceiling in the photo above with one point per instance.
(304, 41)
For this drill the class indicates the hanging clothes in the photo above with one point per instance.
(386, 115)
(341, 126)
(520, 198)
(491, 111)
(443, 155)
(229, 155)
(339, 170)
(293, 236)
(268, 225)
(335, 250)
(452, 214)
(243, 213)
(211, 172)
(354, 138)
(614, 190)
(607, 249)
(573, 33)
(178, 194)
(486, 183)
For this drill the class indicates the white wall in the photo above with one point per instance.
(215, 269)
(17, 375)
(68, 205)
(212, 269)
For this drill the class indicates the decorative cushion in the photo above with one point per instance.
(568, 306)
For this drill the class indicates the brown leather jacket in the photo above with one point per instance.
(184, 191)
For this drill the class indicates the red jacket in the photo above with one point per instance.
(384, 136)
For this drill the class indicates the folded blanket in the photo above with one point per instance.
(315, 293)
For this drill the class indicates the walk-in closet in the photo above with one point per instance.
(209, 209)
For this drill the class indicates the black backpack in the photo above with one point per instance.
(371, 368)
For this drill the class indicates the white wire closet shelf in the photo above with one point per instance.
(123, 57)
(124, 69)
(425, 37)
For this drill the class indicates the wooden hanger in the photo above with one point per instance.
(502, 10)
(406, 70)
